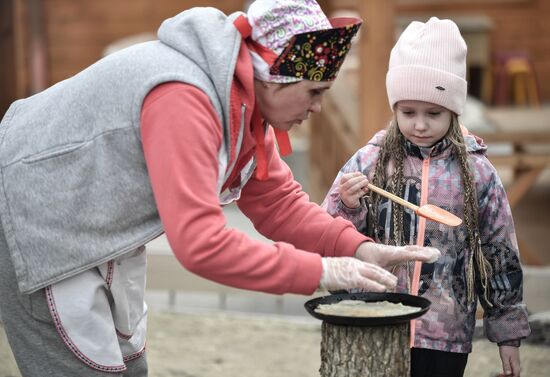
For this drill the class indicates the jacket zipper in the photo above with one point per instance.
(420, 237)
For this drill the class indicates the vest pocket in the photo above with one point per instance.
(69, 208)
(53, 152)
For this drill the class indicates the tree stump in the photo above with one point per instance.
(353, 351)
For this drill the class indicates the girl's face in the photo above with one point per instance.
(284, 105)
(422, 123)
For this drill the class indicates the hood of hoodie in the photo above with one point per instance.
(474, 144)
(208, 37)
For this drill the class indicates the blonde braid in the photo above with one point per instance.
(397, 189)
(471, 212)
(392, 148)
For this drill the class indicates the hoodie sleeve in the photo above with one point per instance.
(506, 319)
(281, 211)
(181, 136)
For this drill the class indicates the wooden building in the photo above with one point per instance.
(45, 41)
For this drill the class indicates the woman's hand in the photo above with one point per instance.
(353, 186)
(509, 356)
(349, 273)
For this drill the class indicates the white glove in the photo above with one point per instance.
(387, 256)
(348, 273)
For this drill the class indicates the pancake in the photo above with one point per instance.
(362, 309)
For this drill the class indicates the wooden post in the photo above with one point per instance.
(13, 68)
(377, 39)
(37, 46)
(377, 351)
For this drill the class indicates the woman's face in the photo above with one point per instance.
(284, 105)
(422, 123)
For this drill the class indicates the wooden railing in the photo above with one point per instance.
(359, 108)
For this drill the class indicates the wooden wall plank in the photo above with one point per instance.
(79, 31)
(14, 72)
(518, 25)
(7, 45)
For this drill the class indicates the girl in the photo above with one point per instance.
(425, 156)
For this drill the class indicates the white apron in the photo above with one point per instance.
(101, 313)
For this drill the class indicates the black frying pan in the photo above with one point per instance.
(403, 298)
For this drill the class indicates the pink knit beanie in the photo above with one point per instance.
(428, 63)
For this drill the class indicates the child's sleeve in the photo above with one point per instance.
(506, 318)
(363, 161)
(334, 205)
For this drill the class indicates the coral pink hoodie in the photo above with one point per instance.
(181, 136)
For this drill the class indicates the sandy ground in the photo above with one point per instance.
(213, 344)
(223, 343)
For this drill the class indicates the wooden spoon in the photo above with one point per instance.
(428, 211)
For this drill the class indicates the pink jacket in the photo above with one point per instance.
(449, 324)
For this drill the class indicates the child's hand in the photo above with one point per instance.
(509, 356)
(353, 186)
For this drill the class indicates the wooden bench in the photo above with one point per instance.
(527, 131)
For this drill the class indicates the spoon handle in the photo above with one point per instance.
(393, 197)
